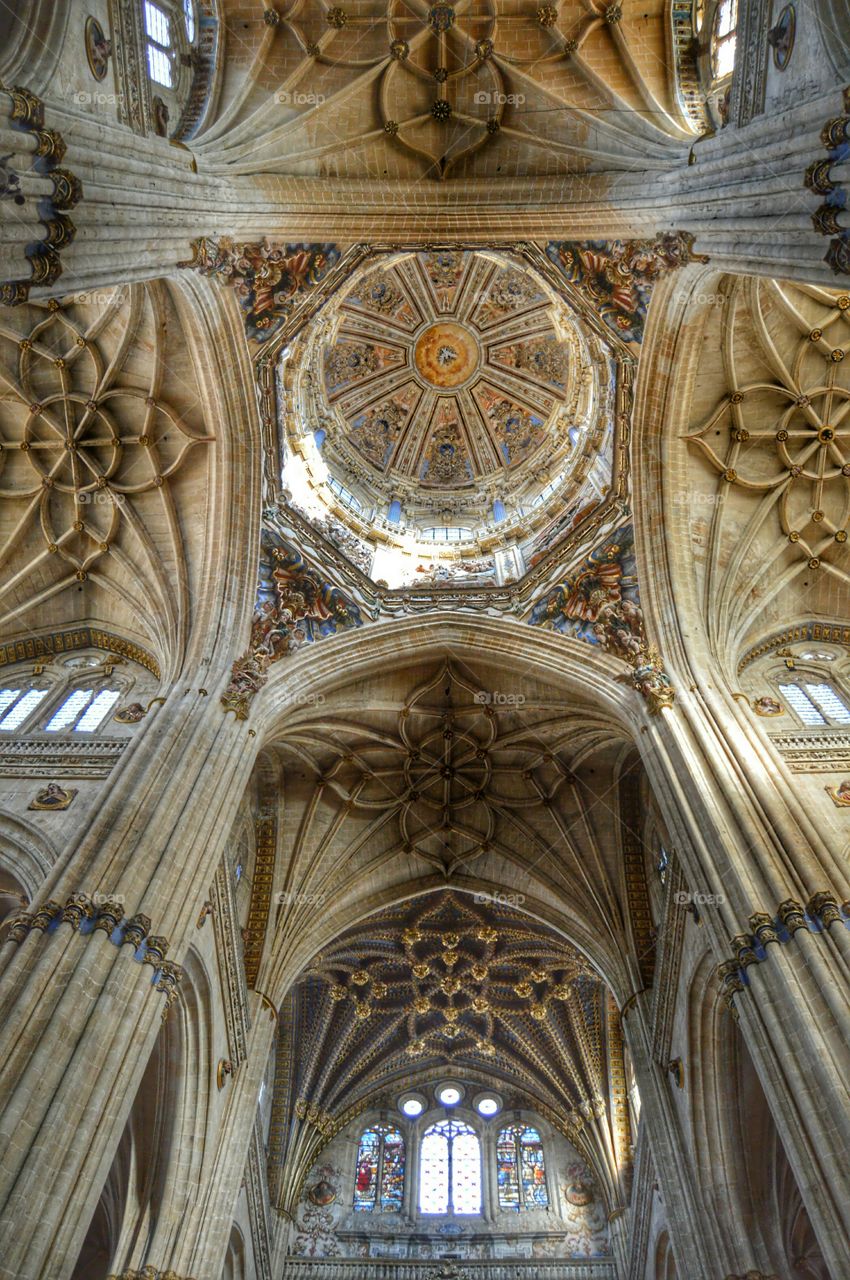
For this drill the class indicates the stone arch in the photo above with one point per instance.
(665, 1263)
(151, 1179)
(235, 1263)
(25, 853)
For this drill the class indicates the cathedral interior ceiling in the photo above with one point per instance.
(440, 91)
(454, 775)
(104, 448)
(768, 449)
(441, 985)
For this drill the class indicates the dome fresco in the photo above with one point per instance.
(445, 389)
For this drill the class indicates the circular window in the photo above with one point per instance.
(412, 1105)
(449, 1094)
(488, 1105)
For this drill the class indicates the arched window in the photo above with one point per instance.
(160, 44)
(379, 1177)
(450, 1169)
(521, 1169)
(724, 37)
(82, 711)
(815, 702)
(18, 705)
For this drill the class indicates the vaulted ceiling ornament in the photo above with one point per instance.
(450, 90)
(617, 275)
(83, 440)
(783, 424)
(444, 982)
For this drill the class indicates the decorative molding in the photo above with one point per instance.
(256, 1185)
(60, 758)
(55, 643)
(295, 605)
(689, 87)
(272, 281)
(27, 116)
(204, 56)
(617, 276)
(148, 1273)
(229, 948)
(750, 76)
(100, 913)
(818, 915)
(827, 752)
(800, 632)
(129, 55)
(265, 845)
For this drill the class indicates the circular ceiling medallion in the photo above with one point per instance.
(446, 355)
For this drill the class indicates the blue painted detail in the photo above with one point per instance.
(499, 513)
(394, 512)
(319, 437)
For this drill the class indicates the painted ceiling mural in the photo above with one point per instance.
(447, 373)
(447, 419)
(449, 91)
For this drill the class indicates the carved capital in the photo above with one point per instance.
(824, 907)
(136, 930)
(764, 928)
(792, 915)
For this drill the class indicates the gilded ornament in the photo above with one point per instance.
(792, 915)
(824, 907)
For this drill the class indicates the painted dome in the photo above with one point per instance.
(450, 388)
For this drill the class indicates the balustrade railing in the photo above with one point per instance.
(489, 1269)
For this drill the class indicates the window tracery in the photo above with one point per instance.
(450, 1169)
(78, 697)
(160, 47)
(521, 1169)
(379, 1178)
(815, 702)
(724, 36)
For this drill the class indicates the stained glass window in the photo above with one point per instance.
(379, 1177)
(521, 1169)
(450, 1169)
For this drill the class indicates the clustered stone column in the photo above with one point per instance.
(79, 988)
